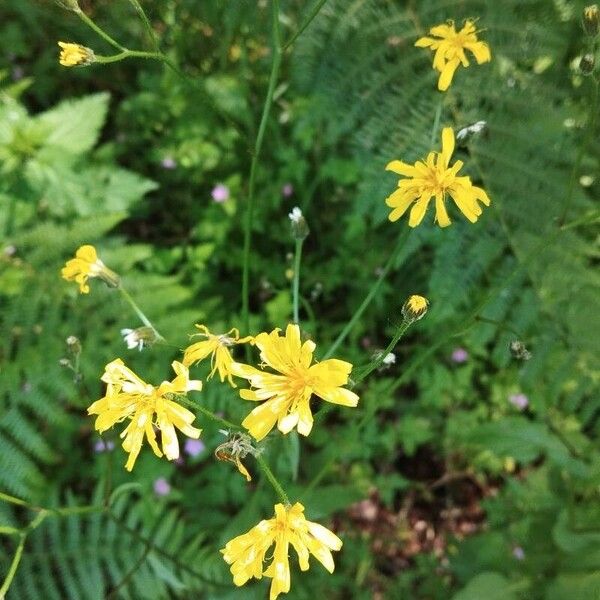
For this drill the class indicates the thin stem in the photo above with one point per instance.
(296, 282)
(207, 413)
(582, 149)
(498, 324)
(13, 500)
(138, 311)
(378, 361)
(272, 479)
(140, 11)
(370, 296)
(276, 50)
(100, 31)
(14, 565)
(127, 54)
(436, 122)
(314, 12)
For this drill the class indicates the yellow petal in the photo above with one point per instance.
(447, 74)
(447, 144)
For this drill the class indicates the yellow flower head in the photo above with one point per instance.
(450, 49)
(246, 553)
(288, 393)
(86, 264)
(415, 308)
(147, 407)
(218, 347)
(75, 55)
(434, 178)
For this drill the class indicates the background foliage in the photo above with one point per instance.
(439, 486)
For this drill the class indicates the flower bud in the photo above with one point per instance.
(300, 228)
(140, 337)
(414, 308)
(237, 446)
(73, 344)
(587, 64)
(591, 20)
(75, 55)
(466, 133)
(519, 351)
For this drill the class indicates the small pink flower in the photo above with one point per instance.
(102, 446)
(162, 487)
(193, 447)
(168, 162)
(287, 190)
(220, 193)
(460, 355)
(521, 401)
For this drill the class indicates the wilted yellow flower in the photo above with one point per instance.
(218, 347)
(246, 553)
(450, 49)
(75, 55)
(86, 264)
(146, 407)
(288, 394)
(431, 178)
(238, 446)
(415, 308)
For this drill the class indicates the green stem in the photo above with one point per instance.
(378, 361)
(138, 311)
(582, 149)
(18, 501)
(14, 565)
(436, 122)
(296, 282)
(272, 479)
(315, 11)
(498, 324)
(127, 54)
(140, 11)
(100, 31)
(276, 49)
(370, 296)
(207, 413)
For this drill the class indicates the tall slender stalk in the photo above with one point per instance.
(276, 51)
(296, 280)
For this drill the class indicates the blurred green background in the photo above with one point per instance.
(466, 472)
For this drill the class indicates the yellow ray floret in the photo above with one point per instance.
(146, 407)
(86, 264)
(217, 346)
(434, 178)
(286, 393)
(449, 48)
(247, 553)
(75, 55)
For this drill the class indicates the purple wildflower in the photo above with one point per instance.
(168, 162)
(287, 190)
(459, 355)
(220, 193)
(521, 401)
(162, 487)
(193, 447)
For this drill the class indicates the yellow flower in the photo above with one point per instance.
(146, 407)
(86, 264)
(218, 347)
(246, 553)
(75, 55)
(415, 308)
(288, 394)
(434, 177)
(450, 49)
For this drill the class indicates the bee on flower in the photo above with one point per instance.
(247, 553)
(286, 394)
(86, 264)
(434, 178)
(218, 348)
(449, 48)
(146, 407)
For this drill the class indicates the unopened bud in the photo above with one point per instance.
(519, 351)
(64, 362)
(591, 20)
(75, 55)
(73, 344)
(300, 228)
(414, 308)
(466, 133)
(140, 337)
(587, 64)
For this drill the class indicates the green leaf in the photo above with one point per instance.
(74, 125)
(487, 586)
